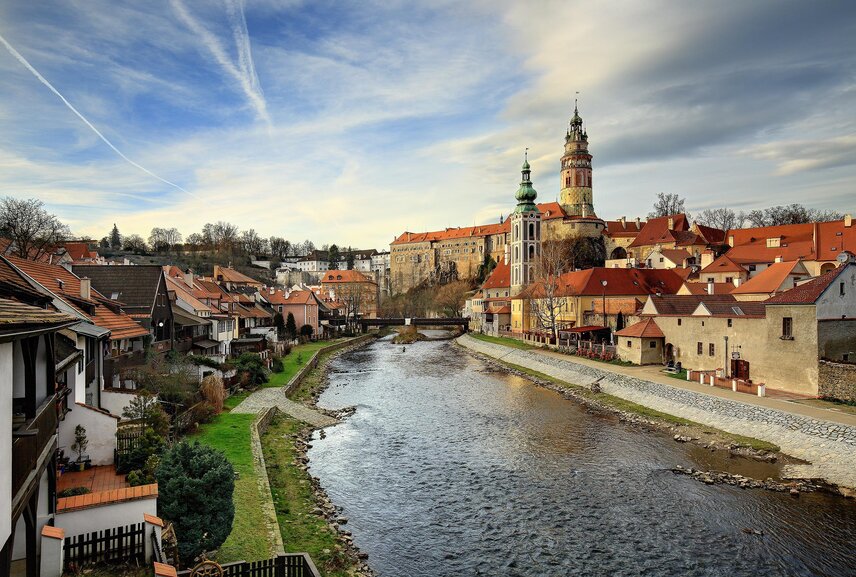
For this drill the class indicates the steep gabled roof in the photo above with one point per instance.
(723, 264)
(716, 308)
(499, 277)
(134, 286)
(771, 278)
(646, 328)
(18, 314)
(226, 274)
(709, 234)
(657, 230)
(683, 305)
(808, 292)
(345, 276)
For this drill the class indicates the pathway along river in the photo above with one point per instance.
(451, 468)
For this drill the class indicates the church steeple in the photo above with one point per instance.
(576, 196)
(526, 194)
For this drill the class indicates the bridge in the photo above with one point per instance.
(462, 322)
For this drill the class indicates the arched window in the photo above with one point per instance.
(531, 231)
(531, 251)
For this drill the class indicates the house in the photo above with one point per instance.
(495, 303)
(230, 278)
(618, 237)
(775, 279)
(641, 343)
(30, 398)
(672, 232)
(724, 270)
(357, 291)
(669, 258)
(802, 340)
(306, 308)
(142, 290)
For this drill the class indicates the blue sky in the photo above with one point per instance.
(351, 122)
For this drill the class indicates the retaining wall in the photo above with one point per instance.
(837, 381)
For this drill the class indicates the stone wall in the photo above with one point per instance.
(837, 381)
(313, 362)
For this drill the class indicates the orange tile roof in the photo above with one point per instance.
(345, 276)
(301, 298)
(98, 498)
(79, 251)
(723, 264)
(53, 532)
(646, 329)
(231, 275)
(499, 277)
(676, 255)
(770, 279)
(657, 230)
(626, 229)
(700, 288)
(619, 282)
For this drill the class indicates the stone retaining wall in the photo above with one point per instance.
(831, 447)
(258, 428)
(837, 381)
(313, 362)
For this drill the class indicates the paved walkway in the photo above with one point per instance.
(824, 438)
(275, 397)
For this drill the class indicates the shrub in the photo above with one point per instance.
(146, 475)
(146, 409)
(195, 486)
(290, 326)
(276, 365)
(213, 392)
(149, 444)
(206, 412)
(306, 331)
(73, 492)
(252, 369)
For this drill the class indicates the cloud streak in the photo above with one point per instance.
(244, 73)
(68, 104)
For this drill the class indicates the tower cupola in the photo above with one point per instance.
(526, 194)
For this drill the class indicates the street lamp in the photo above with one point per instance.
(603, 283)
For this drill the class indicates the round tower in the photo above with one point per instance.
(525, 232)
(576, 196)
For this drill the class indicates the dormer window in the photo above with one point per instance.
(774, 242)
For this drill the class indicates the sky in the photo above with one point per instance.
(351, 122)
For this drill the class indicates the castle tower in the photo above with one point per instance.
(576, 196)
(525, 233)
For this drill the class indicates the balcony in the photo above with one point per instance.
(116, 364)
(31, 445)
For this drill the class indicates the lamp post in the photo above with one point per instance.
(603, 283)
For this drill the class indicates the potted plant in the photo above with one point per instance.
(79, 445)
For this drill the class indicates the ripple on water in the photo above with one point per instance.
(450, 468)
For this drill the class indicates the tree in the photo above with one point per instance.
(350, 257)
(252, 243)
(135, 243)
(290, 327)
(145, 409)
(104, 243)
(115, 238)
(583, 253)
(279, 323)
(194, 242)
(721, 218)
(790, 214)
(306, 331)
(196, 484)
(485, 268)
(252, 370)
(450, 298)
(220, 236)
(667, 205)
(164, 239)
(32, 230)
(333, 257)
(279, 247)
(544, 294)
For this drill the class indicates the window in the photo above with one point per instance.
(729, 280)
(841, 289)
(700, 348)
(787, 328)
(729, 323)
(653, 344)
(710, 279)
(629, 344)
(679, 322)
(711, 349)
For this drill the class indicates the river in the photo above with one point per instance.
(451, 468)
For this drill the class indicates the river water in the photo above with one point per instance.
(451, 468)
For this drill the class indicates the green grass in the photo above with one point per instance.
(503, 341)
(294, 502)
(291, 365)
(681, 375)
(249, 540)
(235, 400)
(652, 414)
(313, 380)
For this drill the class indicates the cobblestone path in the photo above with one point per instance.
(275, 397)
(830, 447)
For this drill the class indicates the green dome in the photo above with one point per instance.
(526, 194)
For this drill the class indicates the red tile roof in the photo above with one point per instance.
(808, 292)
(499, 277)
(232, 276)
(619, 282)
(80, 251)
(770, 279)
(676, 255)
(657, 230)
(719, 288)
(684, 305)
(345, 276)
(723, 264)
(626, 229)
(646, 328)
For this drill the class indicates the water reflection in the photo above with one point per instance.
(449, 468)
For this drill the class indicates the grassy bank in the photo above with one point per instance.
(294, 361)
(249, 540)
(623, 405)
(302, 529)
(513, 343)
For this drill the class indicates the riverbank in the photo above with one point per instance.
(811, 450)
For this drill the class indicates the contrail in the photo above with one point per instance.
(246, 75)
(42, 79)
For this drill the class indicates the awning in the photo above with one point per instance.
(90, 330)
(186, 319)
(586, 329)
(206, 344)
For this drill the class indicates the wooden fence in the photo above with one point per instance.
(120, 544)
(287, 565)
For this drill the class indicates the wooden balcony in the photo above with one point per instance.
(116, 364)
(33, 443)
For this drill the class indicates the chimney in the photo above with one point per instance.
(778, 258)
(85, 288)
(638, 224)
(736, 281)
(710, 287)
(671, 223)
(623, 220)
(848, 220)
(188, 277)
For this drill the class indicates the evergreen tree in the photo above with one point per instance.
(279, 323)
(333, 257)
(196, 485)
(350, 257)
(115, 237)
(290, 326)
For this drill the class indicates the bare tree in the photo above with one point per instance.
(544, 294)
(667, 205)
(164, 239)
(220, 236)
(32, 230)
(450, 298)
(279, 247)
(134, 243)
(194, 241)
(722, 218)
(352, 296)
(790, 214)
(251, 242)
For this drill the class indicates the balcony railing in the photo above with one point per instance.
(29, 442)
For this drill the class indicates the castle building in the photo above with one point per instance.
(525, 233)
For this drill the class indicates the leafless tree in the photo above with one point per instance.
(790, 214)
(252, 243)
(32, 230)
(667, 205)
(164, 239)
(722, 218)
(450, 298)
(194, 242)
(134, 243)
(544, 294)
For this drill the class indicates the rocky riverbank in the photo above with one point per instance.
(682, 431)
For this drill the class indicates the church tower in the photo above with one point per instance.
(576, 196)
(525, 233)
